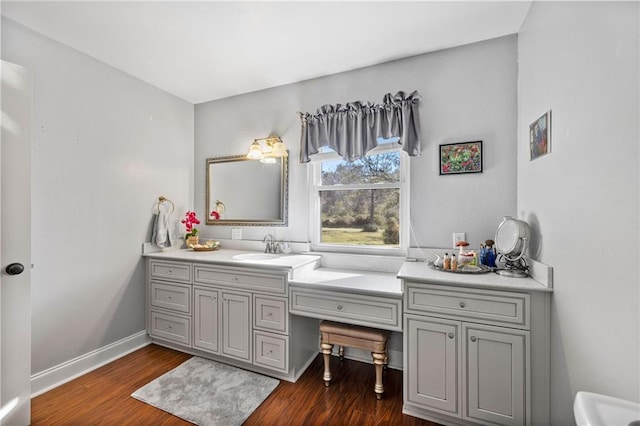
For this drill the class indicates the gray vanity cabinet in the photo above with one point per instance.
(222, 322)
(236, 325)
(467, 370)
(169, 302)
(434, 362)
(235, 314)
(206, 328)
(468, 355)
(495, 366)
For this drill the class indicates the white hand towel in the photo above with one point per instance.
(162, 233)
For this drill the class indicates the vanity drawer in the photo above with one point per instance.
(170, 327)
(174, 271)
(371, 311)
(494, 307)
(176, 297)
(271, 351)
(240, 278)
(270, 313)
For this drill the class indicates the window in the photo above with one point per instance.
(360, 206)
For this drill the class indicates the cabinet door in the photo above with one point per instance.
(496, 374)
(206, 321)
(236, 325)
(433, 363)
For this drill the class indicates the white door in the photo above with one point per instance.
(15, 251)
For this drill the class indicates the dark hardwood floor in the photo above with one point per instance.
(102, 397)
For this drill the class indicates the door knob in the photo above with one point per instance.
(14, 269)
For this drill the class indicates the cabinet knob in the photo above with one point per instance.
(169, 271)
(451, 335)
(14, 269)
(339, 307)
(473, 338)
(462, 304)
(169, 297)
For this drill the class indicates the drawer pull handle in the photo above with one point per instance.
(473, 338)
(339, 307)
(451, 335)
(169, 271)
(462, 304)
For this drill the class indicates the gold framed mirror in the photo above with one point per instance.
(245, 192)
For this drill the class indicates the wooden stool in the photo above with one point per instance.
(353, 336)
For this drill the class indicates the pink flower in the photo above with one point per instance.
(215, 215)
(189, 221)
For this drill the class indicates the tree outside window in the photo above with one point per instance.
(360, 201)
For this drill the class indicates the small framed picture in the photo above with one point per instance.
(464, 157)
(540, 136)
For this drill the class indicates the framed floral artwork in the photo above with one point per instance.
(463, 157)
(540, 136)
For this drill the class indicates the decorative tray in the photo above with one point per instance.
(206, 247)
(203, 248)
(466, 269)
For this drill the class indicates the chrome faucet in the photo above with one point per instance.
(271, 246)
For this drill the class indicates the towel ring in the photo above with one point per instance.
(162, 199)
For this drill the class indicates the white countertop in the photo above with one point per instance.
(350, 280)
(285, 262)
(421, 272)
(309, 274)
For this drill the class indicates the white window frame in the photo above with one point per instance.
(314, 179)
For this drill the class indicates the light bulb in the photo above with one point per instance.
(255, 152)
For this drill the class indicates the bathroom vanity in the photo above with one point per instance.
(229, 306)
(476, 347)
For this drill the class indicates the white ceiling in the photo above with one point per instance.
(201, 51)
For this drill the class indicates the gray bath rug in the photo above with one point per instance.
(208, 393)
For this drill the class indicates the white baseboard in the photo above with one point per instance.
(55, 376)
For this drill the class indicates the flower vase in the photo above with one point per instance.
(192, 241)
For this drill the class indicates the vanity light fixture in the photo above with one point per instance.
(267, 149)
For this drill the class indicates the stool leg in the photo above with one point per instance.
(378, 362)
(327, 348)
(341, 352)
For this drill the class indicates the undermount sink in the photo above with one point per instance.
(255, 256)
(592, 409)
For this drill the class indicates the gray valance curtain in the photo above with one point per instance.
(353, 129)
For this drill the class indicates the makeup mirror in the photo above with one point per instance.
(511, 241)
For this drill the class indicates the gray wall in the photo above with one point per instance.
(469, 93)
(105, 146)
(580, 60)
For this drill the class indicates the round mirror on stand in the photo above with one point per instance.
(511, 240)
